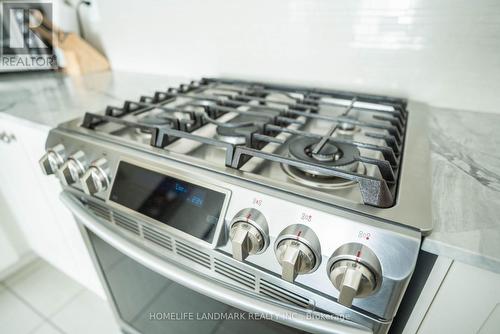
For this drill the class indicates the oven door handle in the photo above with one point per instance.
(209, 288)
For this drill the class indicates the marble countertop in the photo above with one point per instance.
(465, 149)
(465, 152)
(49, 98)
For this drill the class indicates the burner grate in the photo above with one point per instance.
(387, 121)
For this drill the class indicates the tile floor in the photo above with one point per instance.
(39, 299)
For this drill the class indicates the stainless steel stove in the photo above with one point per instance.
(307, 205)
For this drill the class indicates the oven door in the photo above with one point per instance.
(151, 295)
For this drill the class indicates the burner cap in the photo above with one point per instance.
(235, 135)
(152, 120)
(238, 129)
(347, 126)
(329, 152)
(339, 155)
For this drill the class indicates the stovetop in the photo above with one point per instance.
(356, 151)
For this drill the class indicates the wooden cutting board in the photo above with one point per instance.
(78, 56)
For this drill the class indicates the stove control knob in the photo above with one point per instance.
(355, 271)
(96, 179)
(73, 168)
(298, 251)
(249, 233)
(53, 159)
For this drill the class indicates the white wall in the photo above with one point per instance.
(445, 52)
(64, 16)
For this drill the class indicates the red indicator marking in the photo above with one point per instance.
(249, 215)
(358, 255)
(298, 234)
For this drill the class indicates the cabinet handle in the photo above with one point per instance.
(6, 138)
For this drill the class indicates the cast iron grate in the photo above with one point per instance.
(389, 115)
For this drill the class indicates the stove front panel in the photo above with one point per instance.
(395, 247)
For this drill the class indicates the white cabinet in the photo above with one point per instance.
(468, 302)
(24, 197)
(33, 200)
(8, 253)
(14, 251)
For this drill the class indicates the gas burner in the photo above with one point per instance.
(347, 128)
(276, 100)
(332, 154)
(235, 135)
(152, 120)
(237, 130)
(338, 155)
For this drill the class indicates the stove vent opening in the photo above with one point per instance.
(235, 274)
(273, 291)
(192, 254)
(99, 210)
(158, 238)
(238, 276)
(126, 223)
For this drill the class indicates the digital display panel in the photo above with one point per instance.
(177, 203)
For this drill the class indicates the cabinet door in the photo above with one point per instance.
(8, 253)
(14, 250)
(467, 302)
(49, 227)
(24, 198)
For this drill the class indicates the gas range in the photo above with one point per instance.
(311, 197)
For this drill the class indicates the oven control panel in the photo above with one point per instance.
(353, 268)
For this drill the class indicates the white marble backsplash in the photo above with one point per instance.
(446, 53)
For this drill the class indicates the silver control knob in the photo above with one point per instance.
(249, 233)
(355, 271)
(96, 179)
(52, 159)
(73, 168)
(298, 251)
